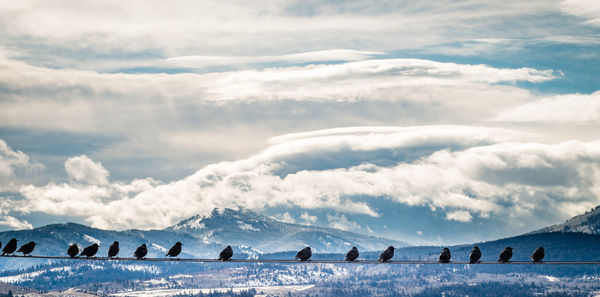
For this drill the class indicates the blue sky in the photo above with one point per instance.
(431, 122)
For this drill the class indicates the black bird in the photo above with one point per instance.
(505, 255)
(90, 251)
(73, 250)
(352, 254)
(10, 247)
(141, 252)
(475, 255)
(175, 250)
(226, 254)
(538, 255)
(445, 256)
(27, 248)
(113, 250)
(304, 254)
(387, 255)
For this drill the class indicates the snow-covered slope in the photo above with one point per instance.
(246, 228)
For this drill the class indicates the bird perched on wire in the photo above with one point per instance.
(304, 254)
(175, 250)
(10, 247)
(113, 250)
(475, 255)
(90, 251)
(27, 248)
(505, 255)
(445, 256)
(352, 254)
(73, 250)
(141, 252)
(387, 255)
(226, 254)
(538, 255)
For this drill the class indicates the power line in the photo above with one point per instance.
(288, 261)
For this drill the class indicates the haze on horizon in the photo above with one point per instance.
(434, 122)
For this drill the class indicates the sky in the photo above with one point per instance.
(432, 122)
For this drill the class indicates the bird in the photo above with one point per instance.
(10, 247)
(141, 252)
(226, 254)
(175, 250)
(113, 250)
(387, 254)
(27, 248)
(73, 250)
(538, 255)
(475, 255)
(505, 255)
(90, 251)
(445, 256)
(304, 254)
(352, 254)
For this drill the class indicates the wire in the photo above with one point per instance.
(286, 261)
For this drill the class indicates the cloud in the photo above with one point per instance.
(467, 173)
(571, 108)
(285, 217)
(14, 165)
(14, 223)
(308, 219)
(308, 57)
(459, 215)
(341, 222)
(83, 169)
(587, 9)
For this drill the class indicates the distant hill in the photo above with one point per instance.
(249, 233)
(588, 222)
(246, 228)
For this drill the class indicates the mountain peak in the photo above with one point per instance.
(589, 223)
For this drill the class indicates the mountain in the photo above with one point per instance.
(249, 233)
(559, 246)
(588, 222)
(246, 228)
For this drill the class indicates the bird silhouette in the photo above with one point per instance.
(387, 255)
(538, 255)
(475, 255)
(226, 254)
(27, 248)
(113, 250)
(90, 251)
(73, 250)
(175, 250)
(304, 254)
(10, 247)
(445, 256)
(352, 254)
(505, 255)
(141, 252)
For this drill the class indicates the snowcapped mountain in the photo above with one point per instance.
(249, 233)
(588, 222)
(246, 228)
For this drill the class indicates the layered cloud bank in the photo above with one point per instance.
(466, 173)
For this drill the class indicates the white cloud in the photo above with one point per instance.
(83, 169)
(588, 9)
(14, 223)
(285, 217)
(317, 56)
(486, 173)
(459, 215)
(308, 219)
(571, 108)
(14, 165)
(342, 222)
